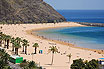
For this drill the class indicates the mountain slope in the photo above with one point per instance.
(28, 11)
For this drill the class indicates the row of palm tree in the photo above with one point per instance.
(16, 43)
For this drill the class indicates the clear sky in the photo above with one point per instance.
(77, 4)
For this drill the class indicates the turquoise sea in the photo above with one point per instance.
(87, 37)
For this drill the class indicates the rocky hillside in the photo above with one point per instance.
(28, 11)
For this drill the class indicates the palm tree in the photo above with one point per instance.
(36, 46)
(12, 41)
(18, 40)
(4, 40)
(1, 38)
(24, 41)
(69, 56)
(8, 38)
(17, 46)
(25, 44)
(53, 49)
(0, 41)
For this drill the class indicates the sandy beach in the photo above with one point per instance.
(60, 59)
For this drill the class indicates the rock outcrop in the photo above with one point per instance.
(28, 11)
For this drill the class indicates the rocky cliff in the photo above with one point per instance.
(28, 11)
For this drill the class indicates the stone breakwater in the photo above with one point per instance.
(92, 24)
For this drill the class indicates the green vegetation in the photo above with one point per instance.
(17, 46)
(54, 50)
(7, 41)
(12, 41)
(25, 44)
(36, 46)
(93, 64)
(4, 57)
(3, 22)
(80, 64)
(29, 65)
(16, 42)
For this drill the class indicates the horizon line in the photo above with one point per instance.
(78, 9)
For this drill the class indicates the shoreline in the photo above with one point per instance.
(30, 32)
(24, 31)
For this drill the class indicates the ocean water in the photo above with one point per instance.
(86, 37)
(91, 16)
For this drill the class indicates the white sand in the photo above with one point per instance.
(60, 61)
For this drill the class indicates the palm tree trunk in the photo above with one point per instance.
(35, 50)
(52, 58)
(0, 43)
(7, 44)
(3, 43)
(69, 59)
(16, 51)
(12, 48)
(25, 49)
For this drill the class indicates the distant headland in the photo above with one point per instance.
(92, 24)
